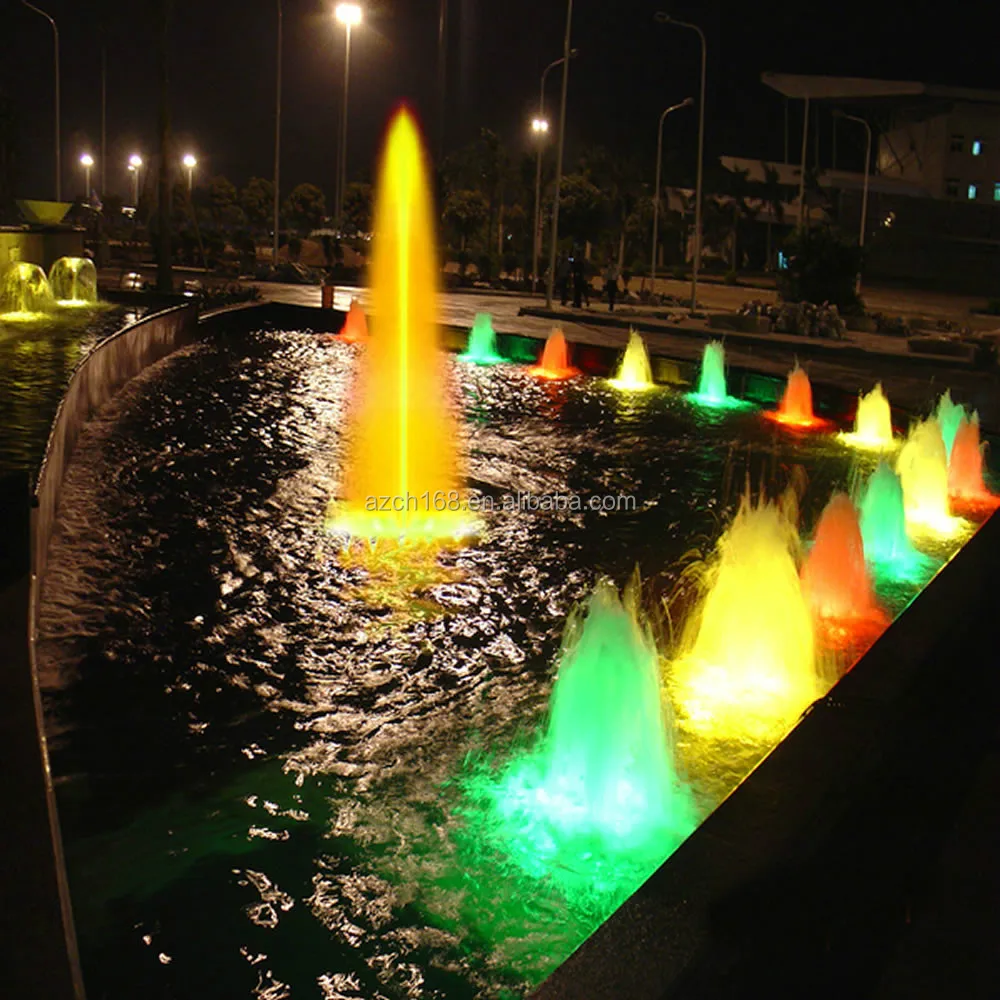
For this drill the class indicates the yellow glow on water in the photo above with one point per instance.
(634, 373)
(746, 667)
(22, 316)
(922, 467)
(873, 423)
(73, 303)
(402, 432)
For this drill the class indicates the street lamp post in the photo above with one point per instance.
(190, 162)
(55, 39)
(864, 190)
(135, 165)
(349, 15)
(87, 162)
(567, 53)
(665, 18)
(686, 103)
(277, 142)
(540, 126)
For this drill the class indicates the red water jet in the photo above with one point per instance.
(966, 486)
(836, 583)
(796, 407)
(355, 329)
(555, 359)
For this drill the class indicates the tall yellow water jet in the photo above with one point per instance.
(634, 371)
(746, 668)
(402, 478)
(873, 423)
(922, 467)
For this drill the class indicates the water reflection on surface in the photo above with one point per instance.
(257, 755)
(36, 361)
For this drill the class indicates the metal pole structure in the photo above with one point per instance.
(537, 229)
(342, 172)
(550, 283)
(864, 189)
(104, 114)
(442, 82)
(687, 102)
(802, 175)
(665, 18)
(55, 38)
(277, 146)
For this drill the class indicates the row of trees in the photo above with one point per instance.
(606, 200)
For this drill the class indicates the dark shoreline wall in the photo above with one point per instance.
(36, 917)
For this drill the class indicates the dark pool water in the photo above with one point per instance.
(36, 362)
(256, 746)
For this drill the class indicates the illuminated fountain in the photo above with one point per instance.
(835, 580)
(482, 346)
(712, 381)
(746, 667)
(796, 407)
(634, 372)
(355, 330)
(25, 294)
(923, 470)
(554, 363)
(949, 415)
(966, 485)
(888, 548)
(595, 806)
(402, 475)
(73, 281)
(873, 423)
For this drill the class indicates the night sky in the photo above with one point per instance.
(223, 60)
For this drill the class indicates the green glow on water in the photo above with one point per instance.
(712, 382)
(482, 346)
(883, 528)
(949, 416)
(595, 805)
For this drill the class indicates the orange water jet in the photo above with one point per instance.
(836, 583)
(555, 359)
(355, 329)
(966, 486)
(796, 407)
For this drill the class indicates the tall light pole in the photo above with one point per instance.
(349, 15)
(104, 111)
(864, 190)
(190, 162)
(442, 81)
(802, 170)
(664, 18)
(540, 127)
(686, 103)
(87, 162)
(567, 53)
(135, 165)
(55, 39)
(277, 143)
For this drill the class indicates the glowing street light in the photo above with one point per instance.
(135, 165)
(190, 162)
(87, 162)
(539, 125)
(349, 15)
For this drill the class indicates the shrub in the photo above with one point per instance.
(822, 267)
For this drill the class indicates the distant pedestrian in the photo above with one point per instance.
(579, 280)
(562, 278)
(611, 284)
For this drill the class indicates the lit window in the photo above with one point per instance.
(977, 147)
(951, 187)
(971, 193)
(957, 143)
(782, 261)
(996, 191)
